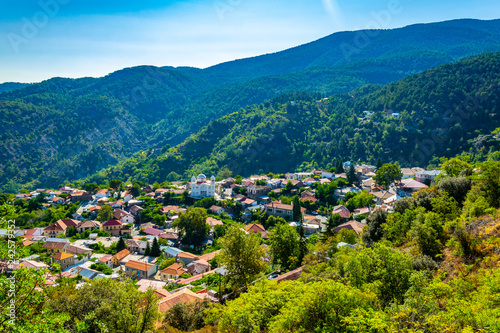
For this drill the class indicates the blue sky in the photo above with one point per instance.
(40, 39)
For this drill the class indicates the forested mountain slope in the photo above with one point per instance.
(440, 112)
(63, 129)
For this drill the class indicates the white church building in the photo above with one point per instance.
(201, 188)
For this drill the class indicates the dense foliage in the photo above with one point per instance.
(435, 117)
(63, 129)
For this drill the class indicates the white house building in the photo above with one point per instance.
(201, 187)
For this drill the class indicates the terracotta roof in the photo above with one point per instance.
(351, 225)
(215, 208)
(106, 257)
(169, 235)
(122, 254)
(183, 296)
(411, 183)
(174, 269)
(138, 265)
(342, 211)
(27, 243)
(213, 222)
(54, 245)
(210, 256)
(61, 256)
(187, 255)
(161, 293)
(254, 228)
(309, 198)
(290, 276)
(112, 222)
(279, 205)
(153, 231)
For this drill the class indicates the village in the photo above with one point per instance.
(135, 231)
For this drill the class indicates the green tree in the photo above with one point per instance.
(387, 174)
(155, 248)
(454, 166)
(105, 213)
(115, 184)
(289, 186)
(120, 245)
(135, 190)
(241, 255)
(193, 226)
(147, 251)
(285, 245)
(187, 316)
(296, 210)
(332, 222)
(374, 230)
(352, 178)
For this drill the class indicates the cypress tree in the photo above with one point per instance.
(155, 249)
(147, 252)
(121, 245)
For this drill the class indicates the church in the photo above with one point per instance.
(201, 188)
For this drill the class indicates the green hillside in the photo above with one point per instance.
(442, 112)
(149, 107)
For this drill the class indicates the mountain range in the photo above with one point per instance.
(61, 129)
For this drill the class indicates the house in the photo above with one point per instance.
(104, 193)
(255, 191)
(216, 209)
(276, 208)
(78, 250)
(172, 237)
(254, 228)
(64, 259)
(309, 181)
(55, 247)
(199, 266)
(167, 210)
(381, 196)
(134, 245)
(135, 210)
(356, 226)
(116, 204)
(80, 196)
(182, 296)
(361, 211)
(113, 226)
(145, 284)
(187, 257)
(298, 175)
(89, 225)
(126, 196)
(139, 269)
(32, 264)
(409, 186)
(427, 177)
(213, 222)
(107, 259)
(201, 188)
(407, 173)
(125, 217)
(309, 198)
(59, 227)
(342, 211)
(33, 232)
(171, 252)
(88, 274)
(290, 276)
(172, 272)
(153, 231)
(146, 225)
(117, 258)
(248, 203)
(56, 200)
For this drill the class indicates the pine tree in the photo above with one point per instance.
(155, 249)
(302, 246)
(340, 167)
(379, 163)
(147, 252)
(121, 245)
